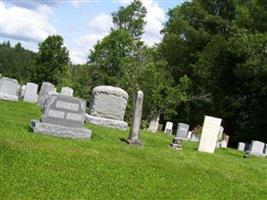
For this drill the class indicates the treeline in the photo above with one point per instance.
(212, 60)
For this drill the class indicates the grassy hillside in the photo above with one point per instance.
(34, 166)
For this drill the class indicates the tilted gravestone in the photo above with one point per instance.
(209, 134)
(168, 128)
(43, 94)
(30, 94)
(67, 91)
(63, 116)
(9, 89)
(256, 148)
(108, 107)
(182, 131)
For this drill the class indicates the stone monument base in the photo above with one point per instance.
(60, 131)
(134, 142)
(106, 122)
(8, 97)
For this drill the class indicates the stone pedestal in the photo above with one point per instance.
(136, 121)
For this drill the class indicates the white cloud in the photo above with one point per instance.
(101, 23)
(76, 3)
(24, 24)
(80, 51)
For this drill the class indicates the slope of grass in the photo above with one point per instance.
(34, 166)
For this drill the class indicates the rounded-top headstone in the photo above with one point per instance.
(45, 89)
(109, 102)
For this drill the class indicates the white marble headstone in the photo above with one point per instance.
(67, 91)
(9, 89)
(30, 94)
(168, 127)
(256, 148)
(209, 135)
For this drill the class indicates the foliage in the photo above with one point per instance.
(52, 60)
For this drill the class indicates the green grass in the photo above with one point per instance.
(34, 166)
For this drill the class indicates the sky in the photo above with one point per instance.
(80, 22)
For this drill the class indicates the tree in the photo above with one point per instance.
(52, 60)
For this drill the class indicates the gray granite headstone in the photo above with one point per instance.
(45, 89)
(67, 91)
(63, 116)
(182, 131)
(256, 148)
(30, 94)
(9, 89)
(108, 107)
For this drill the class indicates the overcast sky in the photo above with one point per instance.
(81, 22)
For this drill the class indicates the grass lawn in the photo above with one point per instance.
(34, 166)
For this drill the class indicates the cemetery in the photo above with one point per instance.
(150, 111)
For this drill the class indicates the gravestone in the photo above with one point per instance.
(22, 91)
(256, 148)
(43, 94)
(194, 138)
(63, 116)
(9, 89)
(67, 91)
(108, 107)
(189, 135)
(160, 127)
(136, 121)
(224, 142)
(30, 94)
(241, 146)
(154, 124)
(182, 131)
(209, 134)
(168, 128)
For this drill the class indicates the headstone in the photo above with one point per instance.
(182, 131)
(108, 107)
(168, 128)
(43, 94)
(30, 94)
(256, 148)
(194, 138)
(63, 117)
(136, 121)
(9, 89)
(224, 142)
(154, 124)
(220, 135)
(22, 91)
(189, 135)
(241, 146)
(209, 134)
(67, 91)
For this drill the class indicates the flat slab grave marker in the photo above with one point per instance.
(209, 135)
(9, 89)
(108, 107)
(30, 94)
(63, 116)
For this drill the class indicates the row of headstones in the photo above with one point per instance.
(12, 91)
(256, 148)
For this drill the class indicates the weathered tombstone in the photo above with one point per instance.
(182, 131)
(9, 89)
(256, 148)
(63, 117)
(168, 128)
(224, 142)
(67, 91)
(45, 89)
(209, 134)
(108, 107)
(154, 124)
(22, 91)
(160, 127)
(136, 121)
(241, 146)
(189, 135)
(30, 94)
